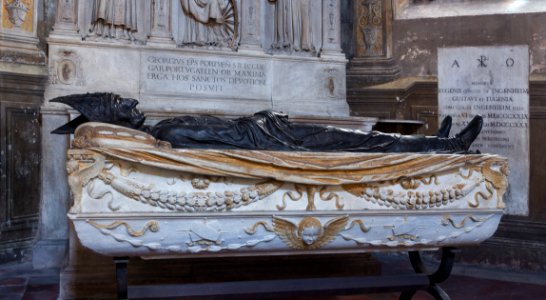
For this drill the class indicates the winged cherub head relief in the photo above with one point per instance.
(310, 230)
(309, 233)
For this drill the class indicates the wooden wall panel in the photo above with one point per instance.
(20, 161)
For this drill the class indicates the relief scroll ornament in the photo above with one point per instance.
(110, 230)
(311, 190)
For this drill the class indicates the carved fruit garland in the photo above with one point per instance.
(190, 202)
(409, 198)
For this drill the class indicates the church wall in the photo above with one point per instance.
(416, 40)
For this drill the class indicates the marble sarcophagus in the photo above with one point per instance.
(135, 196)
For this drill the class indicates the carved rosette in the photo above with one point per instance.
(66, 69)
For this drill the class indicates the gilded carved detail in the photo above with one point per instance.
(369, 29)
(448, 220)
(153, 226)
(360, 224)
(310, 191)
(408, 197)
(17, 12)
(496, 173)
(309, 233)
(320, 169)
(170, 200)
(109, 230)
(193, 201)
(496, 181)
(80, 174)
(409, 183)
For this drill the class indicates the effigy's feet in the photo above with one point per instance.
(469, 134)
(445, 127)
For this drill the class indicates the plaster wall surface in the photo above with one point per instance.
(416, 40)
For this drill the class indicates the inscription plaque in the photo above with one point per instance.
(175, 74)
(492, 82)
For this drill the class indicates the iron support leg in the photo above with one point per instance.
(121, 276)
(440, 275)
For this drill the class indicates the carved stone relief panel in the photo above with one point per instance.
(18, 14)
(161, 18)
(122, 21)
(251, 22)
(369, 28)
(297, 26)
(18, 23)
(281, 26)
(66, 69)
(66, 18)
(372, 43)
(208, 23)
(331, 33)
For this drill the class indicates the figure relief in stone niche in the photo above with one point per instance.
(293, 30)
(209, 22)
(114, 19)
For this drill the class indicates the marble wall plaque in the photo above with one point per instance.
(207, 76)
(492, 82)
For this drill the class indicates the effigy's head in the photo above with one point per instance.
(125, 111)
(101, 107)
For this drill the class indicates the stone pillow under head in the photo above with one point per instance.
(95, 134)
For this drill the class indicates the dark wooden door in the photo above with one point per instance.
(20, 161)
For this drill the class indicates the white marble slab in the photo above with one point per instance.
(492, 82)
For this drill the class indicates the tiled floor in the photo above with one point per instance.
(20, 282)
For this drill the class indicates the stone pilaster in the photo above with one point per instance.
(251, 38)
(161, 34)
(66, 20)
(372, 41)
(331, 33)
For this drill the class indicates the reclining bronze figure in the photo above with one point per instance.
(265, 130)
